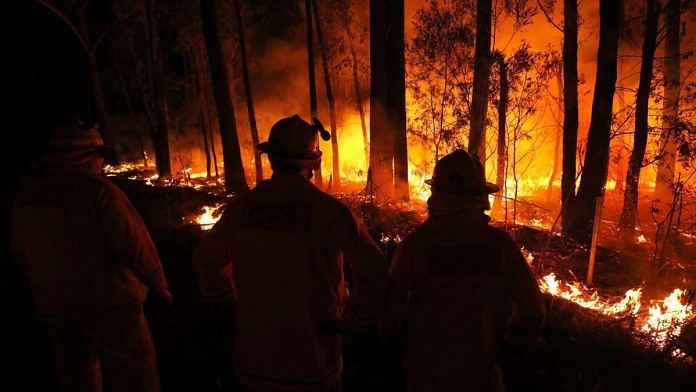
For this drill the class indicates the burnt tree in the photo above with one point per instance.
(502, 123)
(482, 71)
(670, 104)
(247, 91)
(640, 137)
(594, 174)
(161, 137)
(329, 95)
(356, 84)
(388, 154)
(570, 108)
(318, 175)
(235, 179)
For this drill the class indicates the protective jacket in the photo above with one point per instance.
(83, 247)
(454, 284)
(278, 252)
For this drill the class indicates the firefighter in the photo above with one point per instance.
(278, 254)
(455, 284)
(89, 261)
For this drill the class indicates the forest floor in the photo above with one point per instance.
(580, 349)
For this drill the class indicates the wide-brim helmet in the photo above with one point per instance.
(294, 141)
(461, 173)
(74, 142)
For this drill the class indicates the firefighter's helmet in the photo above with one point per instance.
(294, 140)
(461, 173)
(74, 142)
(75, 136)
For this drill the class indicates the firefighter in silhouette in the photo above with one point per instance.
(278, 254)
(89, 261)
(460, 290)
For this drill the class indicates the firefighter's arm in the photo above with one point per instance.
(400, 288)
(129, 238)
(369, 273)
(529, 309)
(212, 263)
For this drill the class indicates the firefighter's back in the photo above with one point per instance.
(462, 304)
(288, 277)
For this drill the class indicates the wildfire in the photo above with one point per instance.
(663, 320)
(209, 216)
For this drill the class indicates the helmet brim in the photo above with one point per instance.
(312, 162)
(483, 189)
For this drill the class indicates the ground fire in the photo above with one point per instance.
(396, 178)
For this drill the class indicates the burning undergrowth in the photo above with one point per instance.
(594, 336)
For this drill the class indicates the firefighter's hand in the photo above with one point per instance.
(163, 295)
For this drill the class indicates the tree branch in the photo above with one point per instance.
(548, 17)
(67, 21)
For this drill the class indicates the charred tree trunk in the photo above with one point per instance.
(204, 132)
(97, 92)
(318, 175)
(329, 95)
(670, 104)
(204, 112)
(397, 68)
(570, 108)
(559, 136)
(356, 84)
(482, 70)
(388, 163)
(502, 124)
(162, 160)
(640, 138)
(235, 179)
(127, 98)
(594, 175)
(248, 93)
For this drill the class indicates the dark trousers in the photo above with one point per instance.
(120, 342)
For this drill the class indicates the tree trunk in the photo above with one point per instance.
(205, 112)
(482, 70)
(162, 135)
(397, 70)
(502, 124)
(318, 175)
(670, 104)
(329, 95)
(248, 93)
(127, 98)
(594, 175)
(570, 108)
(356, 84)
(235, 179)
(388, 163)
(559, 136)
(98, 93)
(640, 138)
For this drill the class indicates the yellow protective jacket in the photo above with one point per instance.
(454, 284)
(278, 251)
(82, 246)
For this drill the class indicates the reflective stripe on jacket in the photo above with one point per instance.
(454, 284)
(278, 251)
(82, 245)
